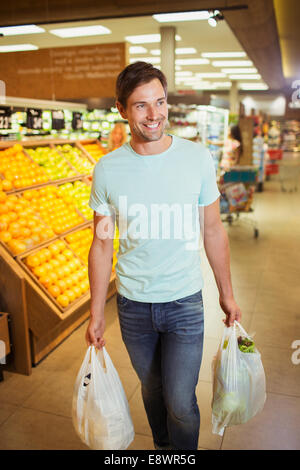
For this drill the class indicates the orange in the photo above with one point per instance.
(60, 272)
(32, 261)
(61, 258)
(68, 254)
(53, 276)
(61, 284)
(7, 185)
(39, 271)
(3, 225)
(70, 294)
(5, 236)
(3, 196)
(17, 246)
(3, 208)
(54, 249)
(77, 291)
(63, 300)
(46, 280)
(69, 282)
(54, 290)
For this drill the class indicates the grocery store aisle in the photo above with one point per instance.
(35, 411)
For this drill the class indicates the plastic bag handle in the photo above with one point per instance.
(103, 357)
(236, 323)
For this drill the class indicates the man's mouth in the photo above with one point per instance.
(152, 126)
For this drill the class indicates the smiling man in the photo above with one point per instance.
(161, 183)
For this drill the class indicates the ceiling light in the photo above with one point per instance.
(214, 17)
(184, 73)
(211, 55)
(210, 75)
(137, 50)
(232, 63)
(80, 31)
(253, 86)
(185, 50)
(245, 77)
(155, 51)
(151, 60)
(184, 16)
(18, 47)
(191, 61)
(146, 38)
(25, 29)
(236, 70)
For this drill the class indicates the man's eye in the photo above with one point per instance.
(160, 103)
(140, 106)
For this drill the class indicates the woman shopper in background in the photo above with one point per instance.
(117, 137)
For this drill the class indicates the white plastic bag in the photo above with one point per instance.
(100, 410)
(239, 383)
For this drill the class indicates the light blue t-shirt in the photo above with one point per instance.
(155, 199)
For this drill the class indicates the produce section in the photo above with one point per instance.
(46, 230)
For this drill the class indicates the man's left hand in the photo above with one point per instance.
(231, 310)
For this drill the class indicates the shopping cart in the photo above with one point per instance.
(289, 173)
(237, 188)
(273, 157)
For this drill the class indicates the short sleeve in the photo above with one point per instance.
(98, 198)
(209, 191)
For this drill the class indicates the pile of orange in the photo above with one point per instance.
(58, 214)
(20, 227)
(80, 242)
(95, 150)
(18, 170)
(60, 272)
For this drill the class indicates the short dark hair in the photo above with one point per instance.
(135, 75)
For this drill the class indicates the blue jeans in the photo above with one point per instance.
(165, 343)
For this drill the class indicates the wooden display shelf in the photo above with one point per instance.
(80, 144)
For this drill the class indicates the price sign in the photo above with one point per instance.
(5, 118)
(77, 122)
(34, 119)
(58, 120)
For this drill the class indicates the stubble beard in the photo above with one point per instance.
(150, 136)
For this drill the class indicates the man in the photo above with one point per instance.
(159, 281)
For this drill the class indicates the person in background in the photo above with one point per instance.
(117, 137)
(232, 149)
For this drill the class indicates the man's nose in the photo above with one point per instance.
(152, 113)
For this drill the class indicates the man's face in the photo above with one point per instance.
(147, 111)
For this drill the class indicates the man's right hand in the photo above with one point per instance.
(95, 331)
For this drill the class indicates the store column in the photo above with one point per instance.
(167, 47)
(234, 97)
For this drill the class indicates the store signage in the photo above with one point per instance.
(58, 120)
(64, 72)
(77, 122)
(34, 119)
(5, 118)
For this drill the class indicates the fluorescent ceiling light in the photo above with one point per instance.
(151, 60)
(94, 30)
(232, 63)
(245, 77)
(137, 50)
(25, 29)
(177, 67)
(185, 50)
(210, 75)
(253, 86)
(211, 86)
(155, 51)
(178, 50)
(146, 38)
(237, 70)
(184, 16)
(18, 47)
(212, 55)
(184, 73)
(191, 61)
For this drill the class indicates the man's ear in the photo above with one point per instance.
(121, 110)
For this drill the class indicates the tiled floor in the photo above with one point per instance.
(35, 411)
